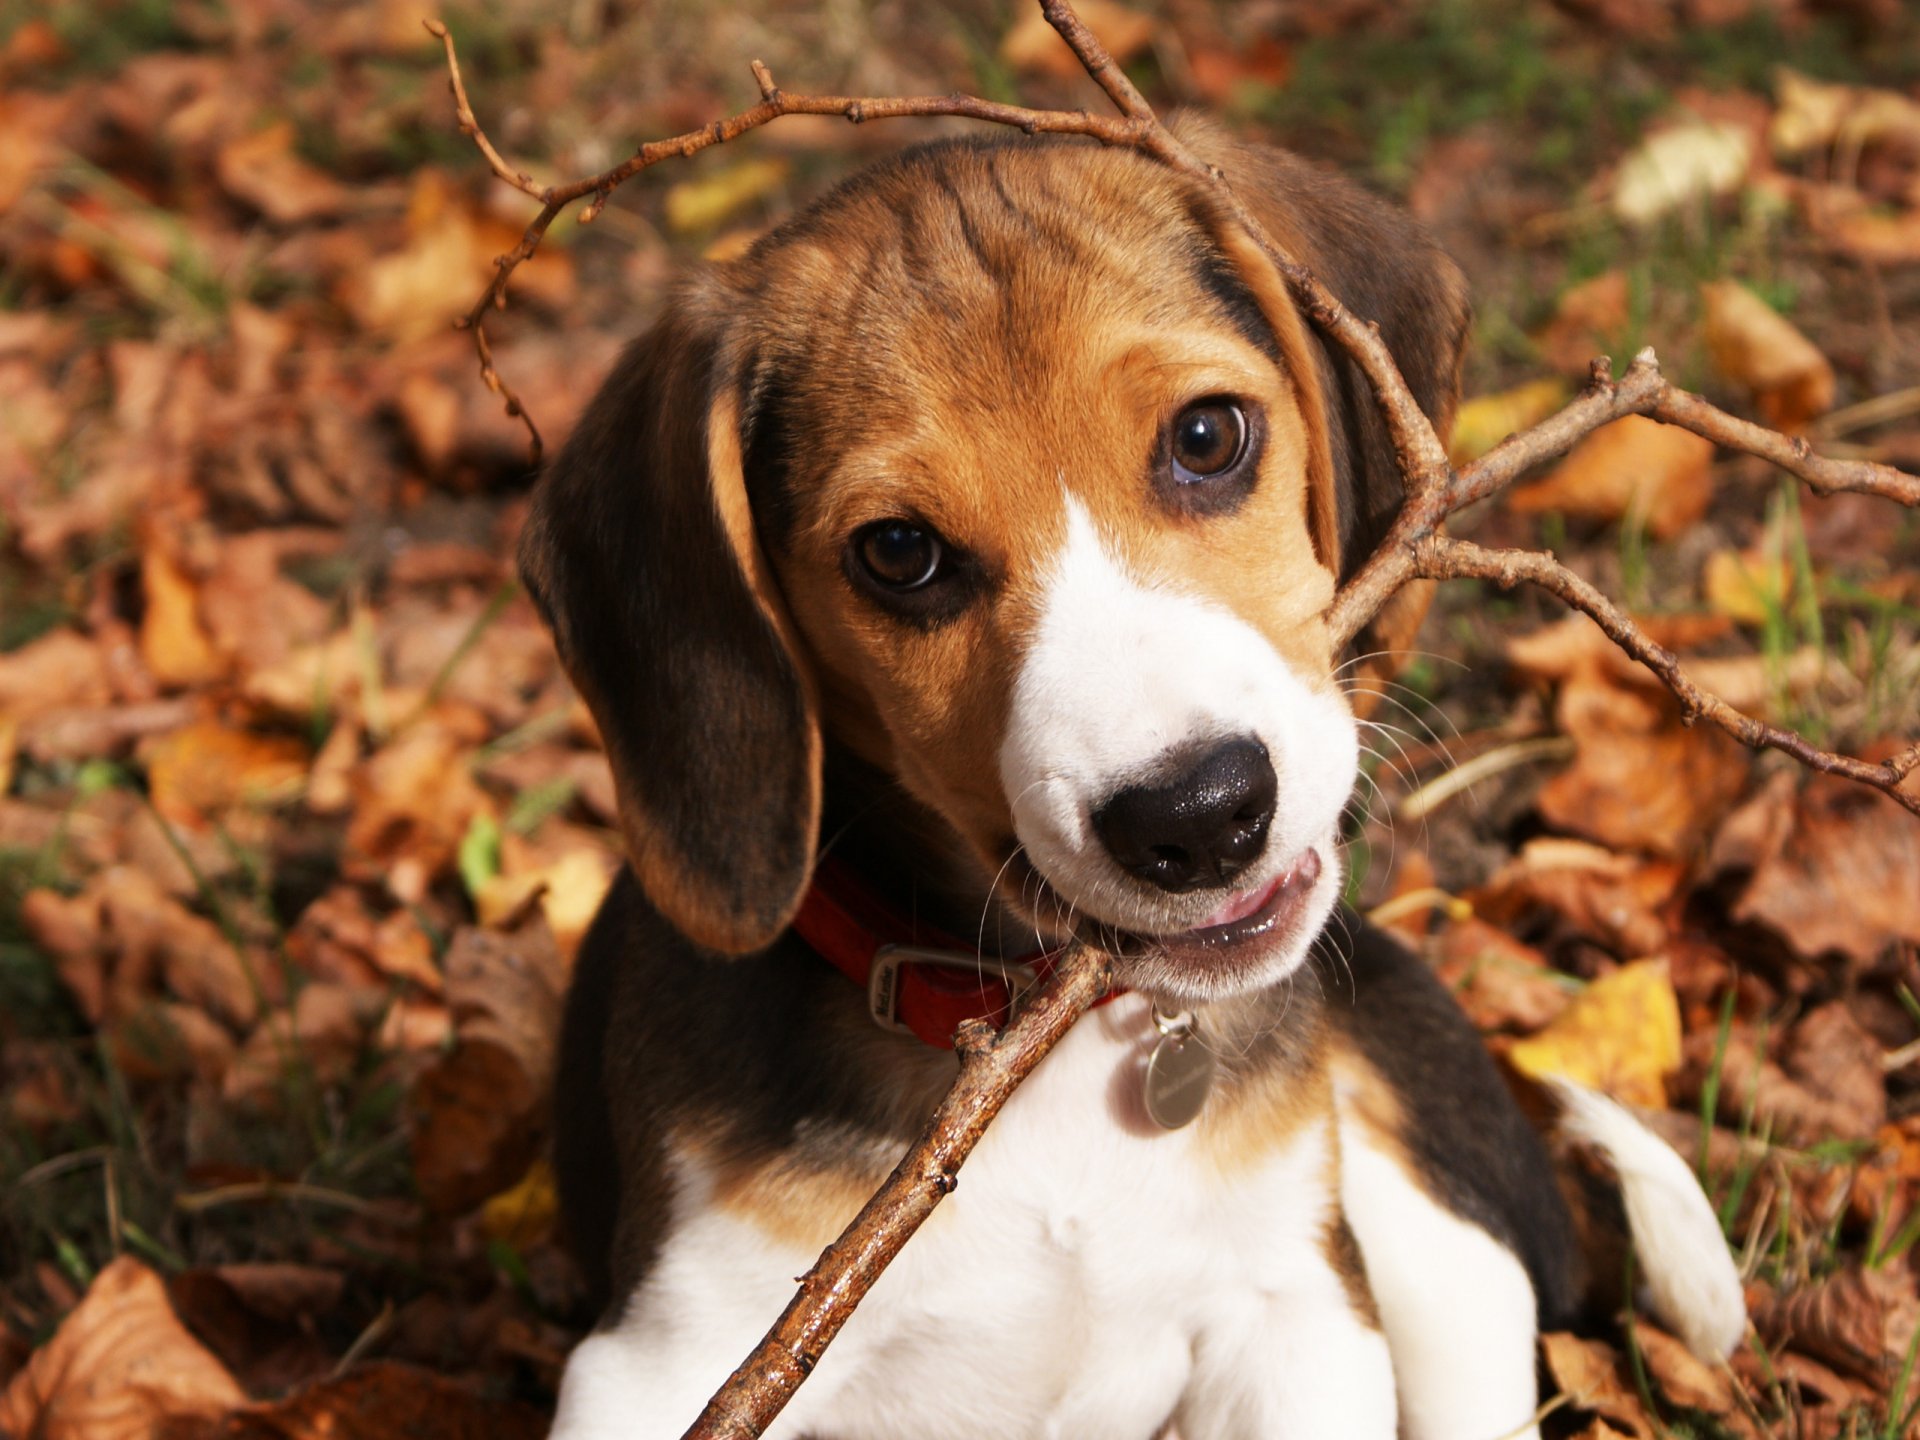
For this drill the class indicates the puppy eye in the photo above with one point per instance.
(1208, 439)
(899, 555)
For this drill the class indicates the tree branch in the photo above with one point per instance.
(991, 1067)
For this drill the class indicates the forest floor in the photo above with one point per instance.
(300, 822)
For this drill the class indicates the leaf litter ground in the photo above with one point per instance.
(300, 824)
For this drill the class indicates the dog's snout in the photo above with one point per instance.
(1201, 827)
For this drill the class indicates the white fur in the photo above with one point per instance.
(1090, 1276)
(1691, 1283)
(1456, 1304)
(1119, 672)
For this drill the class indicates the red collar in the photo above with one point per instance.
(918, 980)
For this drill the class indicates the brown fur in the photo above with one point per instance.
(866, 354)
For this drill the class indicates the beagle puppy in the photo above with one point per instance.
(947, 576)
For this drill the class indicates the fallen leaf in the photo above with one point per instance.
(120, 1366)
(1033, 44)
(1641, 778)
(377, 1400)
(122, 933)
(1680, 166)
(1620, 1035)
(1599, 895)
(711, 200)
(1588, 320)
(1754, 1090)
(205, 768)
(1830, 867)
(1757, 348)
(1499, 982)
(60, 669)
(414, 291)
(1484, 421)
(570, 890)
(1633, 466)
(1589, 1373)
(1813, 115)
(173, 642)
(319, 1039)
(264, 170)
(1862, 1321)
(478, 1115)
(1746, 586)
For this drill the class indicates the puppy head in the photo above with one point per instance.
(1013, 468)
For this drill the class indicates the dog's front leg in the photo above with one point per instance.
(1309, 1361)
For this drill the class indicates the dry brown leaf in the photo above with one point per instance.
(1033, 44)
(207, 767)
(1614, 899)
(1779, 1104)
(1862, 1321)
(1831, 867)
(117, 1368)
(319, 1039)
(59, 670)
(425, 285)
(1501, 983)
(1640, 779)
(1757, 348)
(412, 803)
(1632, 467)
(570, 888)
(478, 1114)
(173, 642)
(1690, 1383)
(1831, 1054)
(1621, 1035)
(338, 938)
(1590, 1372)
(264, 170)
(1576, 646)
(162, 1040)
(378, 1400)
(113, 943)
(1589, 319)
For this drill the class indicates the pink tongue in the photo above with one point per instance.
(1242, 906)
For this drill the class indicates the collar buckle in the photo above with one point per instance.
(883, 981)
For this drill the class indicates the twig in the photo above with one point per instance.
(991, 1066)
(1440, 557)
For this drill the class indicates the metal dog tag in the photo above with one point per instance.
(1179, 1072)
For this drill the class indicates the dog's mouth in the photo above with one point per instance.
(1266, 912)
(1237, 943)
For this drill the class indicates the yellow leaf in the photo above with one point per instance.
(1746, 586)
(1621, 1035)
(704, 203)
(1754, 346)
(1484, 421)
(524, 1214)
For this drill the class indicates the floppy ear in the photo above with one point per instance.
(1384, 268)
(640, 551)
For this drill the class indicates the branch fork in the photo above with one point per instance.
(991, 1066)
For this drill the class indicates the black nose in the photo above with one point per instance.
(1198, 829)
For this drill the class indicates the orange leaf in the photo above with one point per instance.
(117, 1368)
(1754, 346)
(1632, 465)
(207, 767)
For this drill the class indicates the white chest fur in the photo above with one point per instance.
(1090, 1276)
